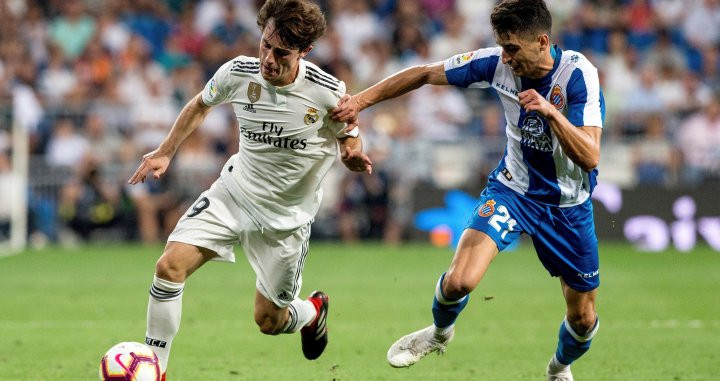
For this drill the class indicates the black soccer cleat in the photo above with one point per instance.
(314, 335)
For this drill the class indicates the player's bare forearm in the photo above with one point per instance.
(581, 144)
(352, 156)
(158, 160)
(393, 86)
(187, 121)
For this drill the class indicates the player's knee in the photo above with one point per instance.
(456, 287)
(582, 322)
(166, 269)
(268, 324)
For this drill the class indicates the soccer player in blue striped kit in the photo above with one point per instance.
(554, 110)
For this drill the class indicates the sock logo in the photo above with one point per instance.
(155, 342)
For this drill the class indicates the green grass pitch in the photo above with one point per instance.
(60, 309)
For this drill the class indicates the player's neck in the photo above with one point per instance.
(546, 64)
(288, 79)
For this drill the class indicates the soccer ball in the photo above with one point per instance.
(130, 361)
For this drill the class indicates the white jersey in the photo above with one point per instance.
(534, 163)
(287, 140)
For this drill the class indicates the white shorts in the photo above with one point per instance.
(216, 222)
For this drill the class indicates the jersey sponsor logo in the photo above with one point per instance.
(556, 97)
(534, 135)
(487, 209)
(271, 135)
(312, 116)
(253, 92)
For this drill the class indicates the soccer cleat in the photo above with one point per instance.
(409, 349)
(314, 335)
(557, 371)
(163, 377)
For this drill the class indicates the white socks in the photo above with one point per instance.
(301, 312)
(163, 317)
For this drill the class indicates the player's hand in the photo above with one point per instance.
(153, 161)
(356, 161)
(531, 100)
(347, 111)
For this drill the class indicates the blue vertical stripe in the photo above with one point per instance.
(577, 93)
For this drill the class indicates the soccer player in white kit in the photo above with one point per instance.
(554, 110)
(269, 192)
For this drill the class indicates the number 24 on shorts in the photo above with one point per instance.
(502, 216)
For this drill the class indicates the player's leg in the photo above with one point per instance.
(475, 252)
(278, 259)
(567, 246)
(200, 235)
(178, 261)
(491, 228)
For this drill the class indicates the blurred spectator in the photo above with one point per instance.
(86, 204)
(701, 26)
(452, 40)
(67, 147)
(73, 30)
(438, 113)
(655, 158)
(699, 140)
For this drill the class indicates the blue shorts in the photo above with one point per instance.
(564, 238)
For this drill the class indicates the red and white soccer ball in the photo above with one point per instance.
(130, 361)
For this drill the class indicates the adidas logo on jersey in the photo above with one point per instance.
(284, 296)
(249, 108)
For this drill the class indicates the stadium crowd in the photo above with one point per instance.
(98, 83)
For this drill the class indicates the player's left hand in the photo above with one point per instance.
(356, 161)
(347, 111)
(531, 100)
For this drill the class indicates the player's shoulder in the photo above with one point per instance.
(243, 65)
(320, 78)
(577, 60)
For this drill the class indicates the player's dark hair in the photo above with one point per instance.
(521, 17)
(298, 23)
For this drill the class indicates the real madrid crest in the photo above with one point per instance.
(312, 116)
(556, 97)
(253, 92)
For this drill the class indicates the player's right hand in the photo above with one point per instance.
(152, 161)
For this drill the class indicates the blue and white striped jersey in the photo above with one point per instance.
(534, 163)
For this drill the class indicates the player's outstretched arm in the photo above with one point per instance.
(158, 160)
(393, 86)
(352, 156)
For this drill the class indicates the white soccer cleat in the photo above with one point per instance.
(409, 349)
(557, 371)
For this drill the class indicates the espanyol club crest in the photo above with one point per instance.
(487, 209)
(556, 97)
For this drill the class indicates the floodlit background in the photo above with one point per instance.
(88, 86)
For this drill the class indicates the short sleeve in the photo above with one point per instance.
(586, 104)
(217, 89)
(338, 128)
(477, 67)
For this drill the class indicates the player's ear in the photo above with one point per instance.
(306, 51)
(544, 41)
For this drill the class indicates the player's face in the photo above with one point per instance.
(522, 53)
(278, 63)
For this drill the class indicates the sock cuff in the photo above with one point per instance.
(588, 336)
(441, 298)
(165, 290)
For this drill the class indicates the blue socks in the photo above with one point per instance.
(445, 311)
(571, 345)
